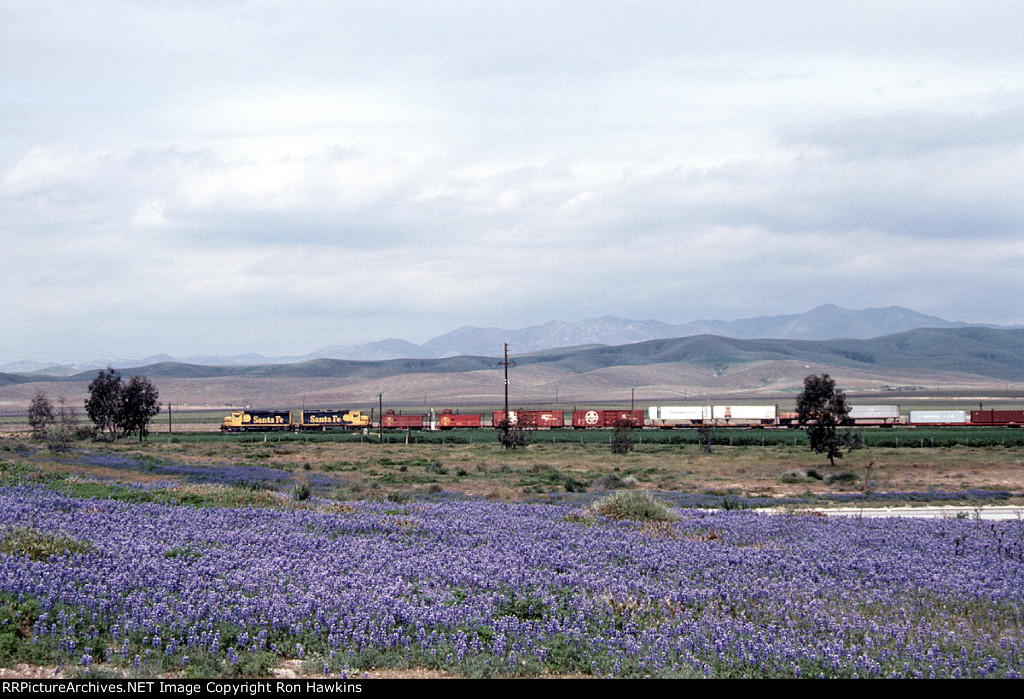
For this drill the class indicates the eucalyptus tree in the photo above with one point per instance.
(821, 408)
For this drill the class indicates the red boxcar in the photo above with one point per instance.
(607, 418)
(997, 417)
(531, 418)
(448, 420)
(401, 422)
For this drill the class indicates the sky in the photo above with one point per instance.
(222, 177)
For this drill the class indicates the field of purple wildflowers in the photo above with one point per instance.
(488, 589)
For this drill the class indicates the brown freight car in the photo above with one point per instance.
(391, 420)
(607, 418)
(531, 418)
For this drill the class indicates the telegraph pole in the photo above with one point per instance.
(506, 364)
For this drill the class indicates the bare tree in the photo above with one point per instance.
(622, 441)
(65, 428)
(510, 434)
(705, 436)
(40, 414)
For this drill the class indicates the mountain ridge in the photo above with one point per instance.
(825, 322)
(987, 352)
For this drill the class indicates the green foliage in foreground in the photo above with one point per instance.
(634, 504)
(16, 619)
(38, 546)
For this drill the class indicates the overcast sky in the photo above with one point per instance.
(212, 176)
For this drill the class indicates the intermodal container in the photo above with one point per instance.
(938, 417)
(744, 413)
(677, 415)
(997, 417)
(874, 412)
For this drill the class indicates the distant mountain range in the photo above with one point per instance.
(824, 323)
(978, 351)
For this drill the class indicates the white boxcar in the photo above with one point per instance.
(938, 417)
(744, 413)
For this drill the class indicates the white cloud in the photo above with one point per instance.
(227, 162)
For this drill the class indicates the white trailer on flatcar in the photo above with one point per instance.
(938, 417)
(744, 414)
(874, 415)
(678, 415)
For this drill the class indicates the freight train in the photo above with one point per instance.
(665, 417)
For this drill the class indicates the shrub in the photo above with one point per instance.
(613, 481)
(511, 436)
(17, 616)
(40, 415)
(622, 443)
(843, 477)
(634, 504)
(436, 467)
(37, 545)
(731, 502)
(609, 481)
(800, 476)
(572, 485)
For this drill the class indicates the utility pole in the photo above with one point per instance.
(506, 364)
(380, 417)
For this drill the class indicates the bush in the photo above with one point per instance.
(622, 442)
(511, 436)
(572, 485)
(843, 477)
(17, 616)
(39, 546)
(40, 415)
(609, 481)
(613, 481)
(800, 476)
(634, 504)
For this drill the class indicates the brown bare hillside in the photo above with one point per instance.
(772, 381)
